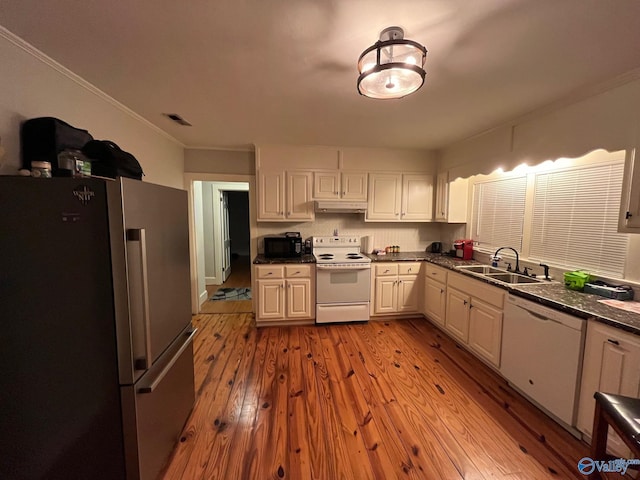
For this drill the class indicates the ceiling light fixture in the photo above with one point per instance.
(393, 67)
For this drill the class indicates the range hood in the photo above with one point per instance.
(328, 206)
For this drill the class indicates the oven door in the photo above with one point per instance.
(350, 283)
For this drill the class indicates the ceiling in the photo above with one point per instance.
(248, 72)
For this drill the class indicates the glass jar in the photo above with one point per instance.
(41, 169)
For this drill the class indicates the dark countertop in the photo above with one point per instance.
(262, 260)
(553, 294)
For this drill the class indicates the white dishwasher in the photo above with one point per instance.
(542, 355)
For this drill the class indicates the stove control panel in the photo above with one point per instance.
(336, 241)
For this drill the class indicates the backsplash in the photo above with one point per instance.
(409, 236)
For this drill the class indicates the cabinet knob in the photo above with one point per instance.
(288, 213)
(269, 273)
(465, 302)
(344, 193)
(615, 342)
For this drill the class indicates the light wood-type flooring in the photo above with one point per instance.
(383, 400)
(240, 277)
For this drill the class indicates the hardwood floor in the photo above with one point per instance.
(240, 277)
(393, 399)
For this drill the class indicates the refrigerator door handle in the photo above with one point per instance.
(139, 235)
(149, 387)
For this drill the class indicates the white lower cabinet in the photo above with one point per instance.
(474, 315)
(485, 331)
(434, 301)
(457, 320)
(285, 294)
(611, 365)
(395, 287)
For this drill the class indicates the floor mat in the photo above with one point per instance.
(232, 294)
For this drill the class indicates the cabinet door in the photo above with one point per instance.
(270, 299)
(271, 195)
(611, 365)
(354, 186)
(457, 319)
(386, 295)
(417, 197)
(384, 196)
(485, 331)
(299, 298)
(408, 293)
(326, 185)
(299, 204)
(442, 195)
(434, 301)
(630, 204)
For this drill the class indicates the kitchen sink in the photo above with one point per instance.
(482, 269)
(499, 275)
(512, 278)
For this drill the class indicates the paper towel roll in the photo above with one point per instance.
(366, 244)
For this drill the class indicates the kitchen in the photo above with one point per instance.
(601, 116)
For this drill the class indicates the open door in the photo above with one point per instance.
(226, 239)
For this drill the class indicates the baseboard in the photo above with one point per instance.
(203, 297)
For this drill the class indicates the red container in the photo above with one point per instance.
(464, 249)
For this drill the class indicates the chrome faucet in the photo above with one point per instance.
(517, 270)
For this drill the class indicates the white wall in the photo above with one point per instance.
(198, 160)
(33, 85)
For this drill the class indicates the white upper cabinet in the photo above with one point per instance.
(271, 195)
(385, 194)
(417, 197)
(451, 199)
(354, 186)
(396, 197)
(336, 185)
(284, 196)
(630, 204)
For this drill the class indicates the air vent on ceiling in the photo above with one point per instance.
(177, 118)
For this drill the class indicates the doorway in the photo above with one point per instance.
(223, 243)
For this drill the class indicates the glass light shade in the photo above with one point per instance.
(391, 69)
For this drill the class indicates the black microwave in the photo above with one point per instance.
(282, 246)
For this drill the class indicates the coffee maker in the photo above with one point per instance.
(464, 249)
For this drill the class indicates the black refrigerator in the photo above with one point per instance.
(96, 351)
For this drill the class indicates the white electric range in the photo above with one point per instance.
(343, 280)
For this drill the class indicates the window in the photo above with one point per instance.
(575, 219)
(570, 212)
(498, 213)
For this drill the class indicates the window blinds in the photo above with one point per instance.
(498, 213)
(575, 217)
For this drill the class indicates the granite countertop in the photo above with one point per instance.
(554, 295)
(262, 260)
(551, 294)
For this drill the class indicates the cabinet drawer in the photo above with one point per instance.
(297, 271)
(435, 273)
(385, 269)
(408, 268)
(476, 288)
(270, 271)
